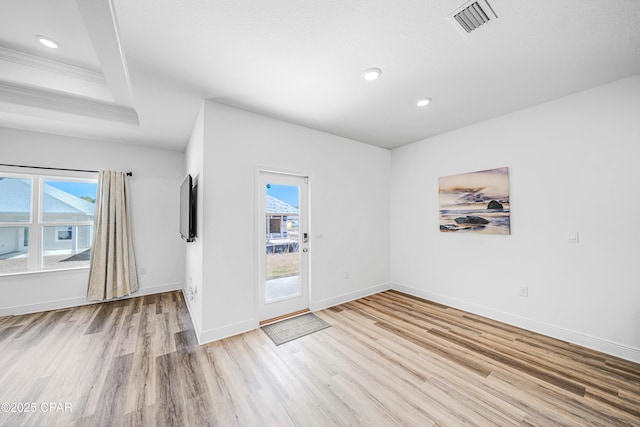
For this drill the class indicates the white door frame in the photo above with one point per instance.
(259, 261)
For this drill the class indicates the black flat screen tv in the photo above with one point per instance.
(188, 208)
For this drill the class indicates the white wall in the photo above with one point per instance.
(349, 191)
(157, 175)
(573, 166)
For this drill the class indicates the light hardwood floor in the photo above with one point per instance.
(388, 359)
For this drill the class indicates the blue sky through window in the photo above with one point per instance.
(286, 193)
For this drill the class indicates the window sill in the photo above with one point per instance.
(38, 272)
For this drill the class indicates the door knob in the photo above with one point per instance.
(305, 250)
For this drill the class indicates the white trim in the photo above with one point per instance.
(18, 273)
(194, 320)
(281, 171)
(101, 22)
(36, 224)
(28, 60)
(63, 102)
(78, 301)
(344, 298)
(227, 331)
(253, 324)
(594, 343)
(304, 217)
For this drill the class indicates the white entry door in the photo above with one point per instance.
(283, 244)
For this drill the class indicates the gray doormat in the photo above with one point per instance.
(296, 327)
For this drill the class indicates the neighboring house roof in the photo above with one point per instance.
(58, 201)
(15, 197)
(275, 206)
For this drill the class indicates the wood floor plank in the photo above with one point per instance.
(112, 401)
(7, 332)
(170, 409)
(389, 359)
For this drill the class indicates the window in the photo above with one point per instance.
(275, 225)
(64, 233)
(46, 223)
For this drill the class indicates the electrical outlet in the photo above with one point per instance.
(346, 275)
(143, 270)
(524, 291)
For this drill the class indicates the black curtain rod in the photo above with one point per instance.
(55, 169)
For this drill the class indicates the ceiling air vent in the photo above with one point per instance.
(473, 15)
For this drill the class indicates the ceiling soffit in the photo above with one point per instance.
(34, 85)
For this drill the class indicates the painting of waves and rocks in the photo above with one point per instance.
(476, 202)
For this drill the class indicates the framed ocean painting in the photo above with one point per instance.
(475, 202)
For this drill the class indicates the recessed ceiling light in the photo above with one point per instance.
(371, 74)
(423, 102)
(48, 42)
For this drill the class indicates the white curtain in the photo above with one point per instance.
(113, 266)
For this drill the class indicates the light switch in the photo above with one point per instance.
(572, 237)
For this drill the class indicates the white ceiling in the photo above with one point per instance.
(136, 71)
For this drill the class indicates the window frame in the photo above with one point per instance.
(36, 224)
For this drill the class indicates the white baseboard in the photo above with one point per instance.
(195, 321)
(341, 299)
(251, 324)
(211, 335)
(595, 343)
(227, 331)
(77, 301)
